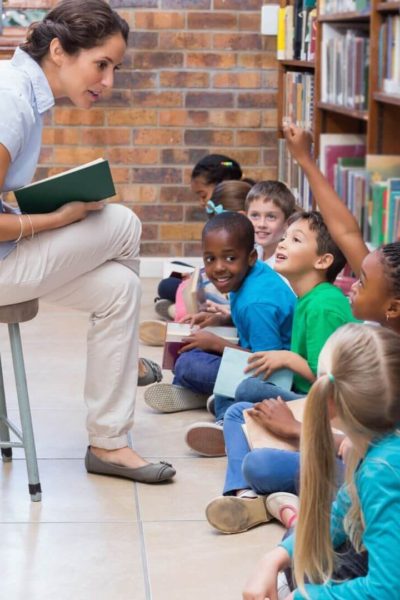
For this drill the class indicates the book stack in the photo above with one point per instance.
(389, 55)
(291, 173)
(298, 102)
(384, 173)
(329, 7)
(297, 31)
(345, 64)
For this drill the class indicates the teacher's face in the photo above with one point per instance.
(85, 77)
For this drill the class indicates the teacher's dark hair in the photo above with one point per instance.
(77, 24)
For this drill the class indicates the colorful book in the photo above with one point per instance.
(177, 334)
(231, 373)
(87, 183)
(337, 145)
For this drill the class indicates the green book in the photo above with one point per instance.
(89, 182)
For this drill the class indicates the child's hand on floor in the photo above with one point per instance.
(203, 340)
(299, 142)
(276, 417)
(266, 362)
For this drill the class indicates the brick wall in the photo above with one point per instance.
(198, 78)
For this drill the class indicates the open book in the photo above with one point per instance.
(175, 339)
(259, 437)
(231, 373)
(89, 182)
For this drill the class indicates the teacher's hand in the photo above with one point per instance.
(76, 211)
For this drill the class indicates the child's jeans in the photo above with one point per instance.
(265, 470)
(197, 370)
(251, 390)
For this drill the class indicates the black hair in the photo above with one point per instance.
(390, 255)
(215, 168)
(236, 224)
(277, 192)
(325, 244)
(77, 24)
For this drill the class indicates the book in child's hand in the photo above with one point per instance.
(259, 437)
(175, 340)
(87, 183)
(231, 373)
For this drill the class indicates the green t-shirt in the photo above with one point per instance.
(317, 315)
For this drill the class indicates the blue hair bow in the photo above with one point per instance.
(212, 209)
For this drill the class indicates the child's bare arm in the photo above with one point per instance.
(341, 224)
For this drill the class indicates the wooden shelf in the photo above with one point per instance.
(299, 64)
(386, 98)
(343, 110)
(344, 17)
(388, 7)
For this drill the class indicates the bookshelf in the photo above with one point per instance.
(356, 68)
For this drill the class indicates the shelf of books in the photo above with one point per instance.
(339, 76)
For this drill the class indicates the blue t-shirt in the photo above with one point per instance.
(262, 310)
(25, 95)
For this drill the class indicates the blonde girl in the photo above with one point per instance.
(358, 386)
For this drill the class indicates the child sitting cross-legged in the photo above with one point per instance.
(310, 260)
(261, 309)
(350, 549)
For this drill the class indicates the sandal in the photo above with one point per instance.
(279, 503)
(153, 372)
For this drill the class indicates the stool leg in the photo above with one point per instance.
(6, 453)
(25, 413)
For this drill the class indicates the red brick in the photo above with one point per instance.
(214, 60)
(270, 156)
(136, 79)
(47, 154)
(132, 156)
(255, 138)
(77, 116)
(134, 194)
(120, 174)
(270, 79)
(189, 4)
(184, 40)
(270, 118)
(136, 3)
(233, 118)
(194, 212)
(157, 136)
(257, 100)
(209, 137)
(192, 249)
(132, 116)
(177, 156)
(212, 20)
(184, 79)
(76, 155)
(238, 4)
(61, 135)
(105, 136)
(246, 157)
(175, 194)
(250, 21)
(157, 99)
(175, 118)
(159, 20)
(209, 100)
(143, 39)
(181, 231)
(157, 60)
(160, 212)
(160, 249)
(149, 232)
(260, 60)
(157, 175)
(237, 41)
(237, 80)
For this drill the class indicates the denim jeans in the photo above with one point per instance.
(265, 470)
(255, 390)
(197, 370)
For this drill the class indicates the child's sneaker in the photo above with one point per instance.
(165, 309)
(169, 398)
(284, 507)
(235, 514)
(210, 406)
(152, 332)
(206, 439)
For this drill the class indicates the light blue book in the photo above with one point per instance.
(231, 373)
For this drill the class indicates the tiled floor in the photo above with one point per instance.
(98, 538)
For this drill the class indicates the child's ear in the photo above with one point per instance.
(324, 261)
(393, 309)
(252, 257)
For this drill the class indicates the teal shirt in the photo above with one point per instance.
(378, 486)
(317, 315)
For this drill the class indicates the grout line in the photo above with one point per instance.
(143, 553)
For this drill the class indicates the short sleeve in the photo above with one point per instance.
(262, 327)
(15, 128)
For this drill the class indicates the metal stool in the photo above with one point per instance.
(14, 314)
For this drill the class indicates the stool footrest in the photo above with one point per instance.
(12, 427)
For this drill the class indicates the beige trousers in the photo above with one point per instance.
(91, 266)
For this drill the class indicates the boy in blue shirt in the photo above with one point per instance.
(262, 307)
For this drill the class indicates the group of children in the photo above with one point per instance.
(294, 317)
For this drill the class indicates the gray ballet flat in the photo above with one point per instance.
(151, 473)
